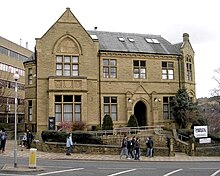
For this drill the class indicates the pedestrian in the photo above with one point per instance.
(24, 140)
(150, 145)
(0, 137)
(147, 146)
(29, 138)
(124, 149)
(137, 149)
(130, 148)
(69, 144)
(3, 140)
(168, 145)
(133, 142)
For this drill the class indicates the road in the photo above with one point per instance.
(114, 168)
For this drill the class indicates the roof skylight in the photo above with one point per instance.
(130, 39)
(94, 36)
(149, 40)
(121, 39)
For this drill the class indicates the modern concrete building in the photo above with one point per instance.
(81, 75)
(12, 57)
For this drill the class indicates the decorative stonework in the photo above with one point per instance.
(67, 46)
(68, 84)
(77, 84)
(58, 84)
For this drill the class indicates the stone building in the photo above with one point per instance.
(81, 75)
(12, 57)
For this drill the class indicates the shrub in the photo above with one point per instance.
(107, 123)
(54, 136)
(81, 137)
(132, 122)
(65, 126)
(78, 126)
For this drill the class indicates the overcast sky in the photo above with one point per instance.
(30, 19)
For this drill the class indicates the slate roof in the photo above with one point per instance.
(109, 41)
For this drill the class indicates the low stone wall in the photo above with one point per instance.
(208, 151)
(91, 148)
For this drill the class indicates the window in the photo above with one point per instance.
(30, 76)
(189, 68)
(11, 69)
(67, 108)
(67, 65)
(150, 40)
(121, 39)
(168, 108)
(131, 39)
(109, 68)
(30, 111)
(139, 69)
(167, 70)
(110, 107)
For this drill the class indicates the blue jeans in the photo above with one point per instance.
(124, 150)
(68, 150)
(149, 152)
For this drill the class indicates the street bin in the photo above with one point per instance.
(33, 158)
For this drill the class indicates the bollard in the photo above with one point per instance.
(33, 158)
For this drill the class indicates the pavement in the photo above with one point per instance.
(25, 153)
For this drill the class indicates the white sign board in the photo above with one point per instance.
(200, 131)
(205, 140)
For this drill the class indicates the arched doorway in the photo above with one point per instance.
(140, 113)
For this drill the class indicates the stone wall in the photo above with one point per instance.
(208, 151)
(92, 148)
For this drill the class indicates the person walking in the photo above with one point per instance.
(3, 140)
(137, 149)
(69, 144)
(29, 138)
(130, 148)
(147, 147)
(124, 149)
(150, 145)
(24, 140)
(0, 137)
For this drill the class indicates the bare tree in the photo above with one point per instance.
(215, 92)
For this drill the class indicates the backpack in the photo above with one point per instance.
(136, 145)
(3, 137)
(124, 143)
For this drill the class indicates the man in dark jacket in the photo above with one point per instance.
(124, 149)
(29, 138)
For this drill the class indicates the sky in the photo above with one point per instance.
(24, 20)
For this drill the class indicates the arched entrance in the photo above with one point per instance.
(140, 113)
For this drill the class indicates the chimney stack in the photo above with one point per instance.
(26, 45)
(185, 37)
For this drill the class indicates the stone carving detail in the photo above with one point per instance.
(77, 84)
(58, 84)
(67, 46)
(68, 84)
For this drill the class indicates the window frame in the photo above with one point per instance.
(67, 65)
(110, 107)
(169, 108)
(139, 69)
(167, 70)
(62, 104)
(189, 71)
(109, 68)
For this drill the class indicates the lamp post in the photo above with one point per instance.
(16, 77)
